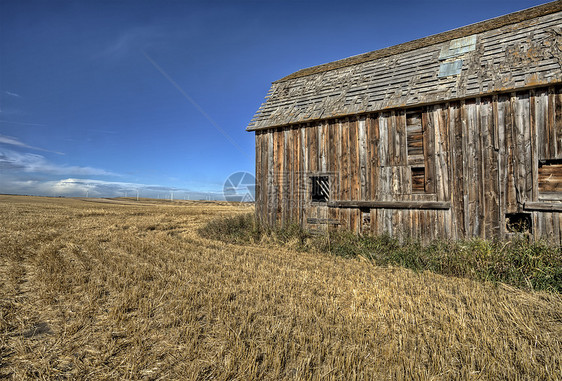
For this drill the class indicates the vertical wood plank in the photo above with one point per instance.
(441, 153)
(492, 198)
(258, 175)
(362, 154)
(288, 175)
(403, 132)
(556, 102)
(473, 168)
(457, 175)
(538, 136)
(280, 160)
(345, 181)
(499, 121)
(323, 139)
(313, 148)
(274, 177)
(304, 198)
(545, 141)
(375, 157)
(428, 128)
(333, 148)
(383, 139)
(556, 228)
(510, 142)
(312, 135)
(295, 199)
(354, 172)
(524, 158)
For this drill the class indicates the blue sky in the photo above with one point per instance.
(107, 97)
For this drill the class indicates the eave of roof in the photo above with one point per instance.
(483, 26)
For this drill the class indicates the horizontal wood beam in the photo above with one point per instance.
(444, 205)
(543, 206)
(550, 196)
(318, 221)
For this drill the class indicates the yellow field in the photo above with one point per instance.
(124, 289)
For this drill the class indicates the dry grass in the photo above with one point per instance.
(114, 290)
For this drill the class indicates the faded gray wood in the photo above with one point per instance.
(543, 206)
(391, 204)
(484, 154)
(323, 221)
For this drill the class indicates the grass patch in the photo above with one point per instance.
(519, 262)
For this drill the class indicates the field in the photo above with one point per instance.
(119, 289)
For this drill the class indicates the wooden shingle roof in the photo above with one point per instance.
(519, 50)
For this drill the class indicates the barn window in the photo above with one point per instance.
(550, 176)
(418, 179)
(414, 136)
(414, 139)
(320, 188)
(518, 222)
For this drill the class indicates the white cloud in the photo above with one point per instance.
(12, 94)
(33, 163)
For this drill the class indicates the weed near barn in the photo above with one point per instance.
(98, 290)
(519, 262)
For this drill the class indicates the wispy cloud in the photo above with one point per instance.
(12, 94)
(21, 123)
(101, 131)
(33, 163)
(10, 140)
(10, 103)
(132, 40)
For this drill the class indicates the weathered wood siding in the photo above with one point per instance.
(450, 170)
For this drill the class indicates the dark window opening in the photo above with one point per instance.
(518, 222)
(418, 179)
(550, 175)
(365, 216)
(320, 190)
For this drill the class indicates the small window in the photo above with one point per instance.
(414, 136)
(320, 188)
(518, 222)
(550, 175)
(418, 179)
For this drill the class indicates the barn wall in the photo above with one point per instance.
(450, 170)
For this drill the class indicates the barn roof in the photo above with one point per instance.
(515, 51)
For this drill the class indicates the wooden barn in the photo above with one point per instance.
(454, 135)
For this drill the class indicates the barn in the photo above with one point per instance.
(454, 135)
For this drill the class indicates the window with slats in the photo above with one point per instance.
(414, 140)
(320, 188)
(550, 175)
(414, 136)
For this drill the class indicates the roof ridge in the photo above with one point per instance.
(479, 27)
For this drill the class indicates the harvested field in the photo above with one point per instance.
(123, 289)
